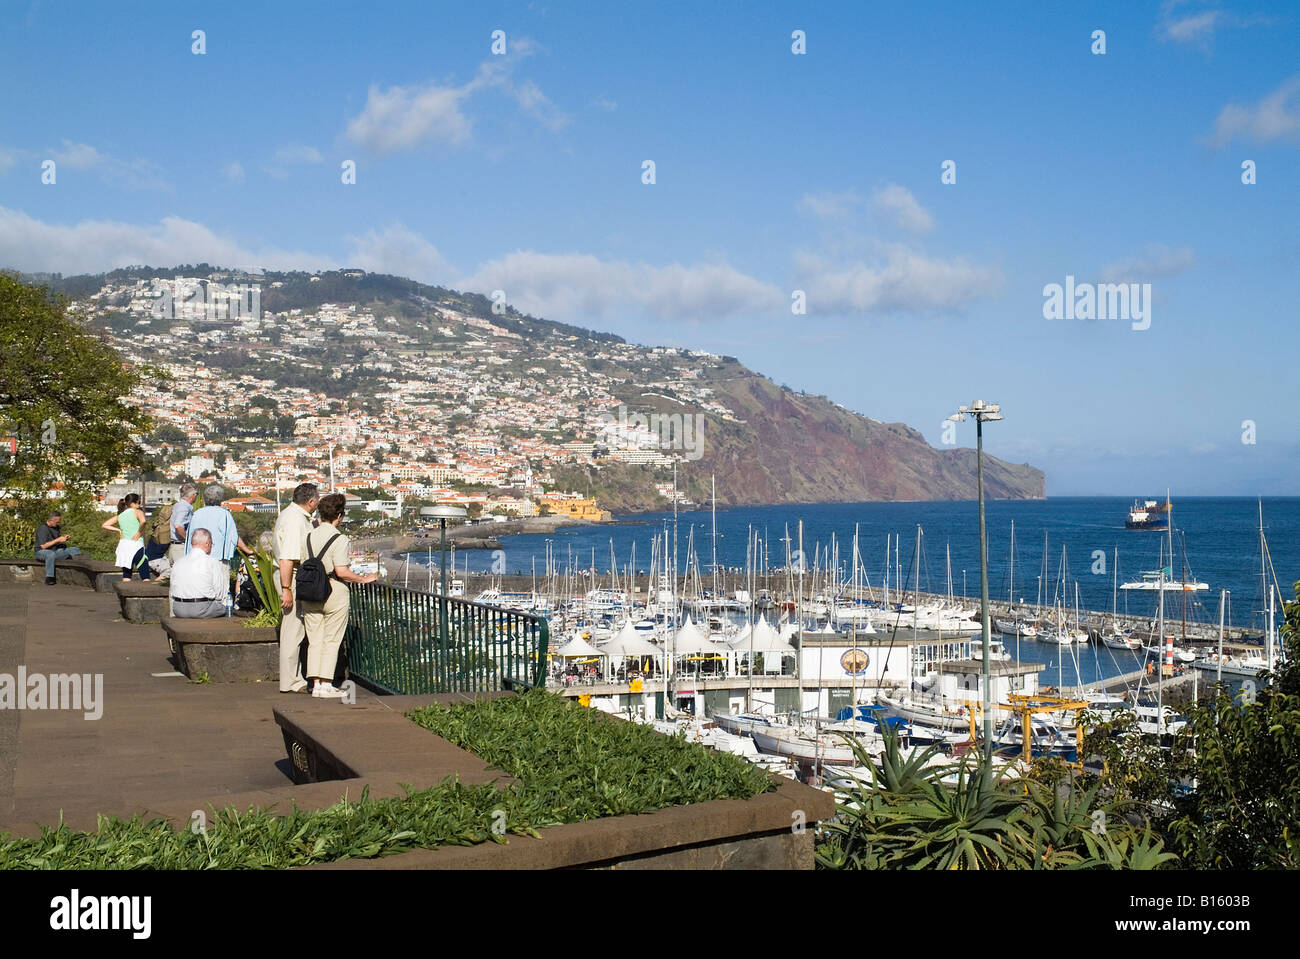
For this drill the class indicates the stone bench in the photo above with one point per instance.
(143, 601)
(78, 571)
(225, 649)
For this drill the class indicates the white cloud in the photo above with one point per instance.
(1275, 117)
(7, 159)
(290, 155)
(78, 156)
(898, 205)
(399, 118)
(402, 252)
(298, 153)
(831, 206)
(1197, 27)
(235, 172)
(605, 103)
(537, 105)
(576, 285)
(402, 117)
(900, 280)
(92, 246)
(134, 174)
(1193, 28)
(1156, 261)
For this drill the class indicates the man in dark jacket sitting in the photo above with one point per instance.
(51, 545)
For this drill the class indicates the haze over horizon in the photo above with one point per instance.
(775, 171)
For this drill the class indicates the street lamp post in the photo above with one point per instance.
(442, 514)
(982, 411)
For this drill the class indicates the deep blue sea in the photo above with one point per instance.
(1220, 536)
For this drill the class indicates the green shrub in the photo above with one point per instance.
(908, 817)
(568, 764)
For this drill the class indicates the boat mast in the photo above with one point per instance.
(1114, 592)
(1268, 637)
(948, 550)
(713, 485)
(1264, 593)
(749, 581)
(1042, 580)
(676, 618)
(884, 598)
(1011, 589)
(1223, 594)
(1160, 662)
(798, 662)
(1184, 590)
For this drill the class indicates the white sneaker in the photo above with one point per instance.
(327, 691)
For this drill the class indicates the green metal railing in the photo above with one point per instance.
(407, 642)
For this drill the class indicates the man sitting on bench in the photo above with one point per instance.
(200, 584)
(52, 545)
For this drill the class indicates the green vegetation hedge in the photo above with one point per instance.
(569, 763)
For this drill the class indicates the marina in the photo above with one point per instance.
(781, 658)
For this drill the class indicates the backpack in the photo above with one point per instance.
(313, 579)
(160, 531)
(248, 601)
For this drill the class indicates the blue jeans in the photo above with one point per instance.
(50, 555)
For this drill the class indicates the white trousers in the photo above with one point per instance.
(291, 636)
(325, 624)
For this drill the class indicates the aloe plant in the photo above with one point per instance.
(261, 571)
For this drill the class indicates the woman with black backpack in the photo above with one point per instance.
(326, 622)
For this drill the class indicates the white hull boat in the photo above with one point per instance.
(926, 713)
(826, 748)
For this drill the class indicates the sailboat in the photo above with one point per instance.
(1249, 667)
(1113, 637)
(1060, 634)
(1012, 627)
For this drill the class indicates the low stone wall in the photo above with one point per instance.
(87, 573)
(225, 649)
(375, 744)
(142, 601)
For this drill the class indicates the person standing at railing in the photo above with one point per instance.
(326, 622)
(291, 530)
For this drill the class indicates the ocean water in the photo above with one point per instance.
(1219, 536)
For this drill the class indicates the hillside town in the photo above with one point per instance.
(450, 408)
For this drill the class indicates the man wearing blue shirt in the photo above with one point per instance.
(218, 521)
(182, 512)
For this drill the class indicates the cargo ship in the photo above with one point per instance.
(1149, 514)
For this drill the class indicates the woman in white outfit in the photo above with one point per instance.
(325, 623)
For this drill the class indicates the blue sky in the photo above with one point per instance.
(774, 172)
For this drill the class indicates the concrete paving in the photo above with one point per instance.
(161, 739)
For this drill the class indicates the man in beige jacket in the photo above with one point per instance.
(291, 531)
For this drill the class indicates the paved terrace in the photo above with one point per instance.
(160, 741)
